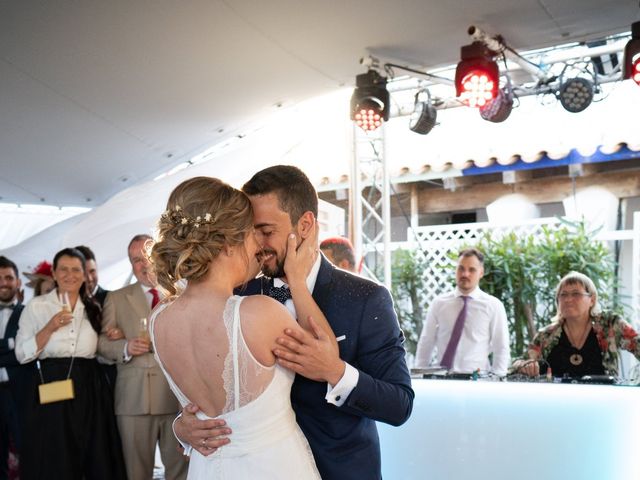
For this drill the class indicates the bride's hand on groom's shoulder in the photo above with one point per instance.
(312, 355)
(206, 436)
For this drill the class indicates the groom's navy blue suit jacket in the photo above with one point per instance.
(344, 440)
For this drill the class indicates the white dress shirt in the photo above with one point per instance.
(485, 332)
(336, 394)
(76, 338)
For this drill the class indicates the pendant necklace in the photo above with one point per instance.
(576, 358)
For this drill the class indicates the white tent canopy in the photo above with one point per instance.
(98, 96)
(288, 138)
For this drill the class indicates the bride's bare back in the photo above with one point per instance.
(193, 338)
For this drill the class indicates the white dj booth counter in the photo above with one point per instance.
(491, 430)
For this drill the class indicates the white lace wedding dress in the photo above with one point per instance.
(266, 442)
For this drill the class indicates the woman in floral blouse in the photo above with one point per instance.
(581, 339)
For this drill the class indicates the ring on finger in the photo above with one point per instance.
(204, 442)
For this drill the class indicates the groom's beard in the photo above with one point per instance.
(276, 271)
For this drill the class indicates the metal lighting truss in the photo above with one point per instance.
(538, 72)
(370, 208)
(370, 215)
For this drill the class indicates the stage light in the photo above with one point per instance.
(370, 101)
(499, 109)
(576, 94)
(635, 71)
(424, 115)
(477, 75)
(632, 55)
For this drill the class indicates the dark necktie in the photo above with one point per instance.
(281, 294)
(10, 306)
(452, 346)
(155, 297)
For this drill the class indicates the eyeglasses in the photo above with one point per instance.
(573, 295)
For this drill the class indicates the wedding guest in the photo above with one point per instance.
(40, 279)
(100, 294)
(94, 289)
(581, 338)
(10, 370)
(73, 436)
(340, 252)
(144, 404)
(466, 327)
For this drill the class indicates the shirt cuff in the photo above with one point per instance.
(187, 448)
(125, 355)
(30, 350)
(338, 394)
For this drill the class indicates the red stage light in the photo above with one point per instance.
(635, 71)
(477, 75)
(369, 118)
(370, 101)
(477, 88)
(632, 55)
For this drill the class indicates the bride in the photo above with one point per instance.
(215, 348)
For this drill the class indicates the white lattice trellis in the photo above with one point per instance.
(437, 242)
(635, 262)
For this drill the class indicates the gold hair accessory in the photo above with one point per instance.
(179, 217)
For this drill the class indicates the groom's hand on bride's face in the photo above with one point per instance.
(314, 356)
(206, 436)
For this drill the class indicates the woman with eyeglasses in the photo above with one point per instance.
(581, 339)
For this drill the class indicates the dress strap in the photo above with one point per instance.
(182, 398)
(234, 351)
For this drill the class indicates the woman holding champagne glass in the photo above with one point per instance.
(69, 428)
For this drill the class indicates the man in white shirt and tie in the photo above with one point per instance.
(466, 326)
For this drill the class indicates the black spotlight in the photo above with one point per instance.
(370, 101)
(423, 118)
(576, 94)
(498, 109)
(632, 55)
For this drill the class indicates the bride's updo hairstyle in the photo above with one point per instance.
(203, 216)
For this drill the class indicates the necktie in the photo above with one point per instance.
(155, 297)
(281, 294)
(452, 346)
(10, 306)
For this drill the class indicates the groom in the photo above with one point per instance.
(374, 385)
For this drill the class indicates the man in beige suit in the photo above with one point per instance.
(145, 407)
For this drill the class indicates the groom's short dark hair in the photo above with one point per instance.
(295, 192)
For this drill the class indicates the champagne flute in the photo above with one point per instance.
(66, 304)
(63, 297)
(143, 332)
